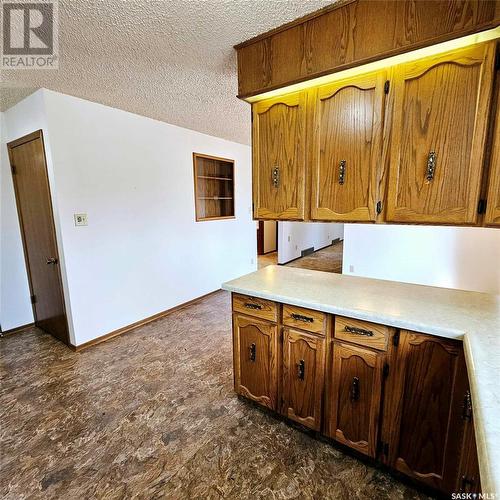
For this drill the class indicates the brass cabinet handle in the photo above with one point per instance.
(467, 407)
(253, 352)
(301, 317)
(431, 166)
(51, 260)
(358, 331)
(276, 176)
(342, 172)
(355, 389)
(301, 369)
(249, 305)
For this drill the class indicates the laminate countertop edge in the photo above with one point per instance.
(471, 317)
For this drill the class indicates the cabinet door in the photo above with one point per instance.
(439, 127)
(426, 399)
(354, 400)
(493, 205)
(279, 162)
(347, 149)
(303, 377)
(468, 480)
(255, 350)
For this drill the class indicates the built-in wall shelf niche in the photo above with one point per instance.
(213, 187)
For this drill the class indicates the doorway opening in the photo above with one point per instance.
(267, 243)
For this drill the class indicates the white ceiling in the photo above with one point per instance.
(169, 60)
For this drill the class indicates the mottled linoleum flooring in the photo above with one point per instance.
(152, 414)
(328, 259)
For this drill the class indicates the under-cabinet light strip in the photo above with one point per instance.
(414, 55)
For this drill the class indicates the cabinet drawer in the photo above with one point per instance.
(362, 332)
(261, 308)
(305, 319)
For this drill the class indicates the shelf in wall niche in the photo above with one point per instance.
(213, 200)
(215, 197)
(214, 178)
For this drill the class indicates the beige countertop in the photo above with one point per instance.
(471, 317)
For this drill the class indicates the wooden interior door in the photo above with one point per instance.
(347, 149)
(355, 398)
(255, 350)
(441, 107)
(29, 169)
(303, 377)
(493, 199)
(279, 161)
(426, 398)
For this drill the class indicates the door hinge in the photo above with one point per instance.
(379, 207)
(385, 370)
(481, 206)
(395, 338)
(13, 169)
(33, 299)
(387, 86)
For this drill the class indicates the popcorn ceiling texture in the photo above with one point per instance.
(170, 60)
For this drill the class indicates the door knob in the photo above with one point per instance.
(51, 260)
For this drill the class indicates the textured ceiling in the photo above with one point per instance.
(169, 60)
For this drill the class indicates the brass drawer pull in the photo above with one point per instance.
(252, 352)
(301, 369)
(342, 172)
(249, 305)
(301, 317)
(358, 331)
(431, 166)
(355, 389)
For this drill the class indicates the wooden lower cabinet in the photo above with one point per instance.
(404, 402)
(303, 377)
(425, 409)
(355, 396)
(255, 348)
(468, 480)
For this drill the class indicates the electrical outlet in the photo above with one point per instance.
(80, 219)
(296, 247)
(288, 238)
(251, 261)
(351, 268)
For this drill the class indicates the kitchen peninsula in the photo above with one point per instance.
(400, 373)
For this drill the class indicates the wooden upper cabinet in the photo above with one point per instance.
(426, 398)
(493, 200)
(303, 377)
(439, 127)
(355, 397)
(346, 149)
(351, 33)
(255, 351)
(279, 159)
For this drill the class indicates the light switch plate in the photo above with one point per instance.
(81, 220)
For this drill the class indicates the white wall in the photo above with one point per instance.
(451, 257)
(142, 251)
(270, 240)
(293, 237)
(15, 306)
